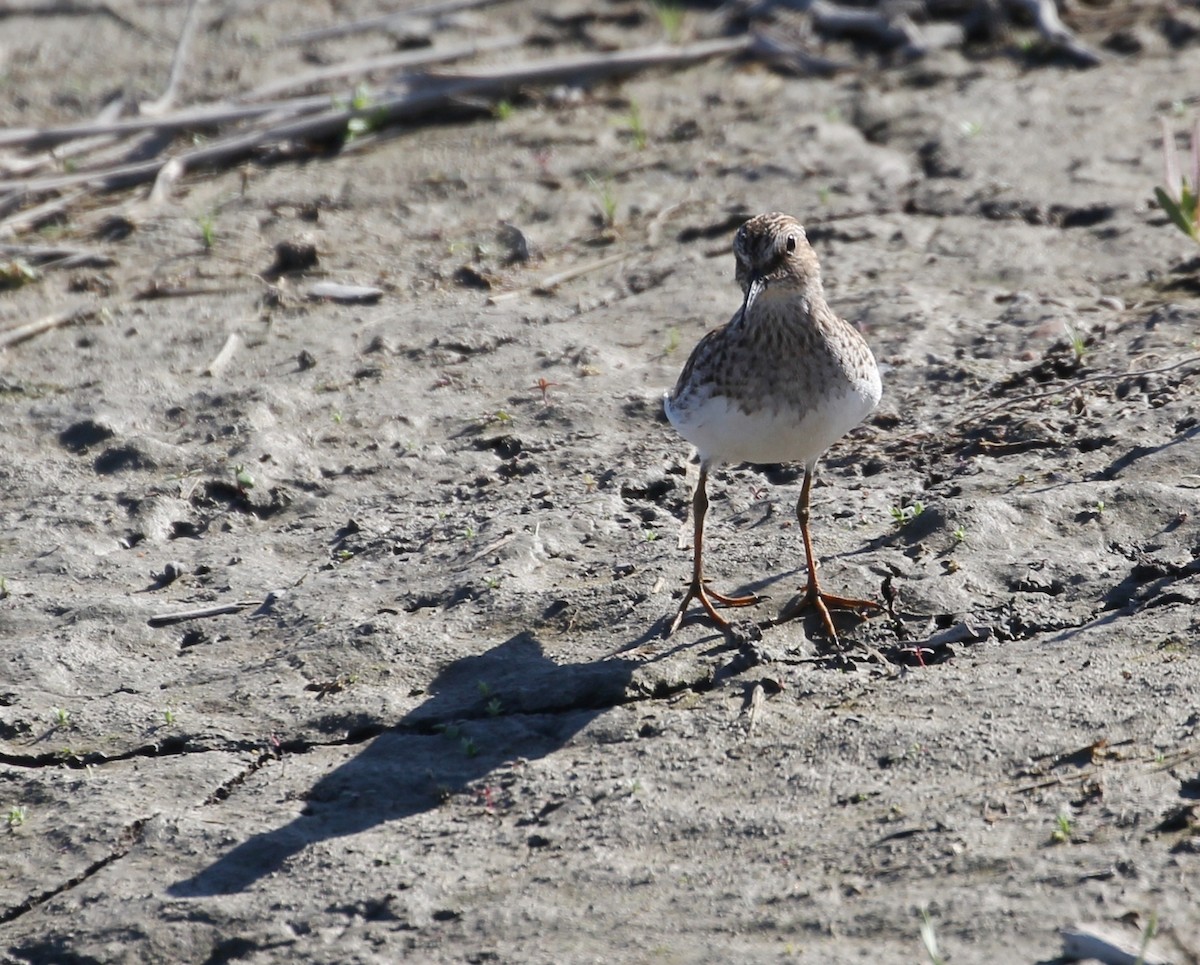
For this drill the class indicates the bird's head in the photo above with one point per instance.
(773, 254)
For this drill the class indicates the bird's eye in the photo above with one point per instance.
(791, 243)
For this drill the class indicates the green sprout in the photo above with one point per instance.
(1078, 342)
(636, 128)
(208, 230)
(960, 534)
(1063, 829)
(16, 816)
(1147, 938)
(1180, 196)
(670, 18)
(903, 515)
(494, 707)
(360, 100)
(503, 110)
(243, 477)
(608, 200)
(62, 717)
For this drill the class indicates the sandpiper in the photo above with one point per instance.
(781, 381)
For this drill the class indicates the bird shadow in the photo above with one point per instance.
(483, 711)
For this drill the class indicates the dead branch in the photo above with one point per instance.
(404, 60)
(22, 333)
(200, 613)
(56, 256)
(418, 95)
(182, 49)
(223, 358)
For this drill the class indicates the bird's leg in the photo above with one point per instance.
(822, 602)
(697, 590)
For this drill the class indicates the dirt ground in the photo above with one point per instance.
(441, 724)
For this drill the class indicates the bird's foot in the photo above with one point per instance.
(706, 598)
(823, 603)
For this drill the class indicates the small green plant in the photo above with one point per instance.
(168, 716)
(208, 230)
(16, 274)
(62, 717)
(903, 515)
(16, 816)
(360, 100)
(823, 195)
(960, 534)
(1147, 938)
(607, 198)
(637, 129)
(674, 337)
(649, 535)
(494, 708)
(929, 940)
(503, 110)
(670, 18)
(492, 582)
(1099, 507)
(1063, 829)
(469, 747)
(468, 532)
(243, 477)
(1180, 196)
(970, 129)
(484, 688)
(1078, 342)
(3, 588)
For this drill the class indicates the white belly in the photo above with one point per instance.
(722, 432)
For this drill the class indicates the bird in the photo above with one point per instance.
(780, 382)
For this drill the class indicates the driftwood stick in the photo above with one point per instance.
(217, 365)
(206, 116)
(386, 21)
(404, 60)
(416, 97)
(65, 8)
(182, 49)
(770, 50)
(200, 613)
(245, 107)
(54, 255)
(22, 220)
(22, 333)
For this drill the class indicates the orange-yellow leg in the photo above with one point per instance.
(813, 596)
(697, 590)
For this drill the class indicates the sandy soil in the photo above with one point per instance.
(443, 726)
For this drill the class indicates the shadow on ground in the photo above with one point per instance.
(529, 707)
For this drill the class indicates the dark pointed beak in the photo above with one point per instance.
(754, 288)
